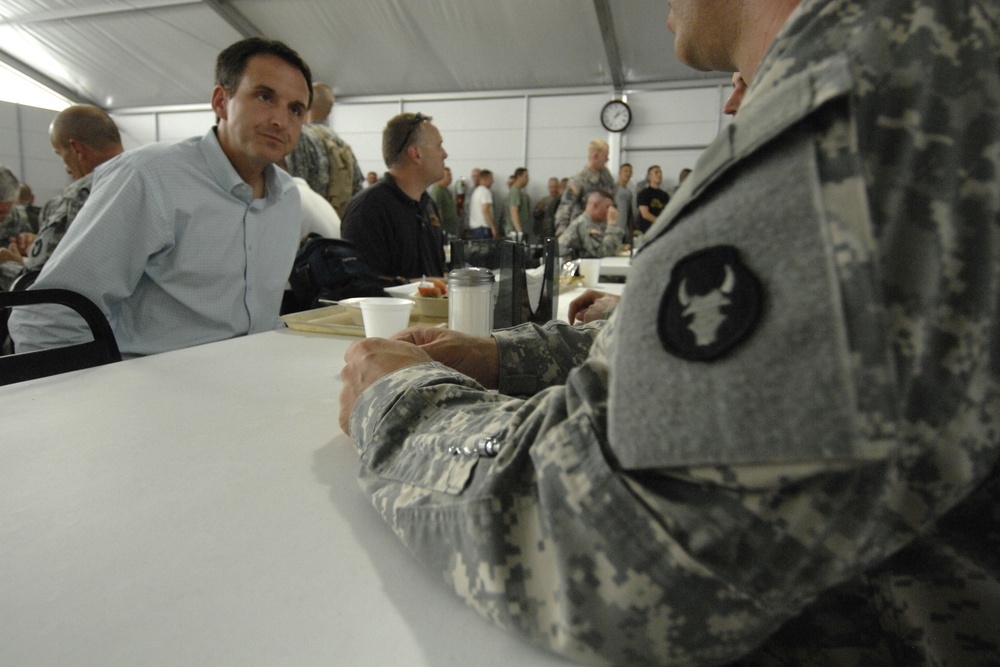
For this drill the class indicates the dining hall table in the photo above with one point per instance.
(200, 507)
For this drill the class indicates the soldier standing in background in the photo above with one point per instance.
(595, 176)
(322, 158)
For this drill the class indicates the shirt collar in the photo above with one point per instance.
(398, 192)
(229, 180)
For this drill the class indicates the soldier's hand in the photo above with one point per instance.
(370, 360)
(592, 305)
(11, 254)
(24, 241)
(475, 356)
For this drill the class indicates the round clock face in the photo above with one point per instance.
(616, 115)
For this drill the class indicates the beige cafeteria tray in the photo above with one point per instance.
(337, 320)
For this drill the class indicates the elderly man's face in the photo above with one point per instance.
(75, 167)
(5, 208)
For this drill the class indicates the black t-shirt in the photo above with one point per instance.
(656, 199)
(396, 235)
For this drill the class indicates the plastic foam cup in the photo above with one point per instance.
(590, 269)
(383, 315)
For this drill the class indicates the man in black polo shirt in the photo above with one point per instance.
(395, 224)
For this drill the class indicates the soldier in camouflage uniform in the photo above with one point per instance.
(596, 232)
(84, 136)
(782, 448)
(10, 222)
(595, 176)
(322, 158)
(310, 160)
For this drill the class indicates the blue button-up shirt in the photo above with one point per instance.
(174, 249)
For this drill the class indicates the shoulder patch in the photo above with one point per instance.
(712, 303)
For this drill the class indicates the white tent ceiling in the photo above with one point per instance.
(122, 54)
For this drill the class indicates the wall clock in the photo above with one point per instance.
(616, 116)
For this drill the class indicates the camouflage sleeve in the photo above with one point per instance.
(568, 243)
(611, 242)
(9, 272)
(534, 356)
(15, 223)
(520, 508)
(55, 219)
(309, 160)
(568, 206)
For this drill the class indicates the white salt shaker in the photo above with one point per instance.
(470, 301)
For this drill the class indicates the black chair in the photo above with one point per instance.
(510, 260)
(41, 363)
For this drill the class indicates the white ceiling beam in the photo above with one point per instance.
(72, 13)
(233, 17)
(610, 37)
(51, 84)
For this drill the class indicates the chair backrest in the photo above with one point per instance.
(41, 363)
(511, 260)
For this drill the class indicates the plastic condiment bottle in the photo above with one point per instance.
(470, 301)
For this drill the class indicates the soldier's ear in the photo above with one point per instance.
(413, 151)
(80, 149)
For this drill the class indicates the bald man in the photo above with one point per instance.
(84, 136)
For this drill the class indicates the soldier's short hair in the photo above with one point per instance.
(598, 146)
(87, 124)
(401, 132)
(600, 192)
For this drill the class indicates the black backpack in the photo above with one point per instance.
(332, 269)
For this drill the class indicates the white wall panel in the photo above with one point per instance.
(43, 170)
(685, 117)
(184, 124)
(25, 149)
(136, 129)
(10, 139)
(361, 126)
(9, 135)
(484, 133)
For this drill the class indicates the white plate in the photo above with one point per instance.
(408, 291)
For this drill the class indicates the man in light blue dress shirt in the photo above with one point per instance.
(188, 243)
